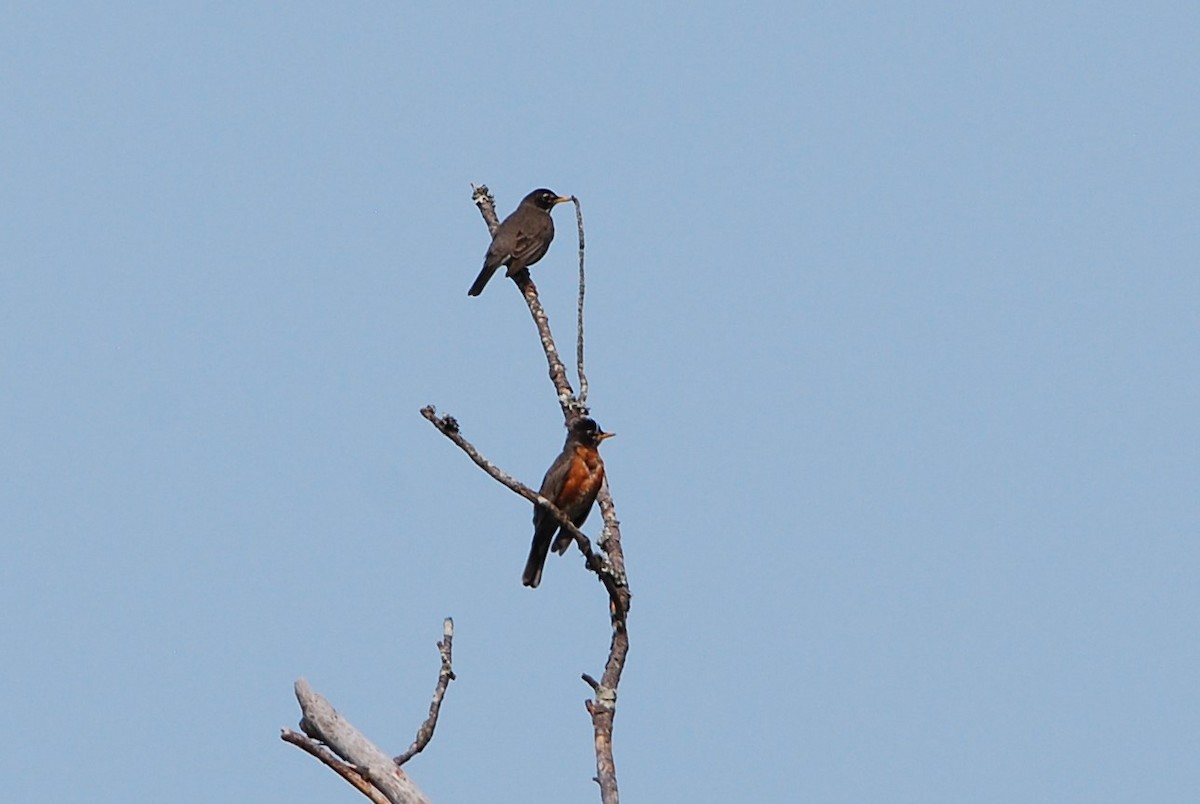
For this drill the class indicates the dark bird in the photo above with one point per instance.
(521, 239)
(571, 483)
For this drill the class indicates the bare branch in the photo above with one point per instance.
(483, 198)
(571, 407)
(583, 383)
(603, 706)
(445, 676)
(347, 772)
(610, 537)
(322, 723)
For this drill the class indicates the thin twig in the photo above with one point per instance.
(445, 676)
(583, 383)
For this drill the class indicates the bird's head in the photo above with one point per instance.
(586, 431)
(544, 199)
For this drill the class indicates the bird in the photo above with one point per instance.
(571, 483)
(522, 238)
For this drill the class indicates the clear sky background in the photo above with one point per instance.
(894, 310)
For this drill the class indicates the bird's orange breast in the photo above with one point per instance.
(583, 476)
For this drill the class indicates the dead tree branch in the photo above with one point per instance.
(603, 707)
(445, 676)
(338, 744)
(610, 569)
(583, 383)
(347, 772)
(322, 723)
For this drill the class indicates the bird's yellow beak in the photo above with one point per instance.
(602, 436)
(561, 200)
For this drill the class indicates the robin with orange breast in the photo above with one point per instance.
(571, 483)
(522, 238)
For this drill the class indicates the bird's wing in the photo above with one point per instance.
(545, 525)
(553, 483)
(500, 249)
(494, 258)
(531, 243)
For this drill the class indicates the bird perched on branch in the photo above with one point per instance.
(571, 483)
(521, 239)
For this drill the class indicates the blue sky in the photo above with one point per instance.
(894, 311)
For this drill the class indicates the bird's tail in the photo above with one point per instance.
(537, 559)
(482, 279)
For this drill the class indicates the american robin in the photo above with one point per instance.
(521, 239)
(571, 484)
